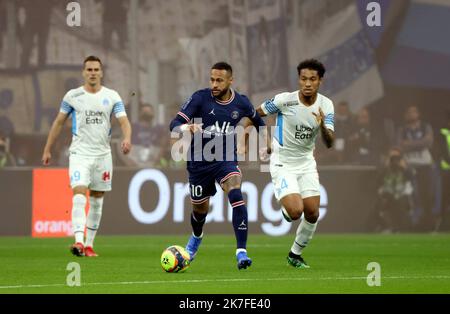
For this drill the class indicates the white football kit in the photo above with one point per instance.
(90, 161)
(292, 164)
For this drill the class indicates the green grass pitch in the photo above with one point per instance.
(410, 263)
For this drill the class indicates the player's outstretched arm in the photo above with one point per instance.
(179, 125)
(241, 146)
(52, 136)
(261, 127)
(266, 136)
(126, 132)
(327, 134)
(261, 112)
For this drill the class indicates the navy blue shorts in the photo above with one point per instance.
(202, 179)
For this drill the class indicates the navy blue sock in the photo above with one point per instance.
(197, 222)
(240, 217)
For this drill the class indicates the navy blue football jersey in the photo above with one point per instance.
(217, 142)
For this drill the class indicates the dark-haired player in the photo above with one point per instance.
(301, 116)
(211, 115)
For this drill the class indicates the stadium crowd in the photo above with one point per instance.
(410, 153)
(412, 164)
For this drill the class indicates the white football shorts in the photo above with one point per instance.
(293, 179)
(92, 172)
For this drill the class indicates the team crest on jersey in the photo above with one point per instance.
(235, 115)
(105, 102)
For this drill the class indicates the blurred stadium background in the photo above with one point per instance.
(158, 52)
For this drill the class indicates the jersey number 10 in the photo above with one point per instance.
(196, 190)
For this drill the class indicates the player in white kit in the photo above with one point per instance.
(301, 115)
(91, 107)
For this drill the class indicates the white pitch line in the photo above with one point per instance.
(158, 282)
(143, 246)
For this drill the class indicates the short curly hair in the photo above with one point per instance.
(312, 64)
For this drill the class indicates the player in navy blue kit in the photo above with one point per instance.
(211, 115)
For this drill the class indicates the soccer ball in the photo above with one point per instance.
(175, 259)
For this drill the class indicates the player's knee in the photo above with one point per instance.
(202, 208)
(295, 212)
(79, 190)
(312, 217)
(96, 194)
(228, 187)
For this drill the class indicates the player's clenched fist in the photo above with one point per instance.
(46, 158)
(193, 128)
(126, 147)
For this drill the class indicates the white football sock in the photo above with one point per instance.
(305, 233)
(201, 236)
(78, 217)
(93, 219)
